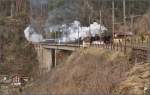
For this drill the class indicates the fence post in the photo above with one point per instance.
(147, 41)
(121, 47)
(139, 42)
(135, 42)
(125, 46)
(142, 42)
(117, 46)
(111, 46)
(131, 42)
(148, 51)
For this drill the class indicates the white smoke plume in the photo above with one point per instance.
(75, 31)
(66, 12)
(70, 32)
(32, 36)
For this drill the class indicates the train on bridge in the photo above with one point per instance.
(82, 41)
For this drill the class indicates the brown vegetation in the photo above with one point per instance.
(17, 56)
(86, 72)
(137, 81)
(141, 25)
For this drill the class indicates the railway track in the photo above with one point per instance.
(139, 53)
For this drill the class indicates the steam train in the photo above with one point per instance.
(86, 41)
(96, 40)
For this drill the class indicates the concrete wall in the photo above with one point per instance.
(46, 58)
(49, 57)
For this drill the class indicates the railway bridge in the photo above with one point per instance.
(47, 52)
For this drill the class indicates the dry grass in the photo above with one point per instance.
(138, 78)
(86, 72)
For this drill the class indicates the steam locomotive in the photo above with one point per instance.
(86, 41)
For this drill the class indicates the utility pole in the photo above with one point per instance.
(132, 23)
(55, 36)
(1, 48)
(32, 12)
(124, 20)
(100, 18)
(100, 23)
(12, 11)
(66, 33)
(113, 19)
(124, 12)
(149, 44)
(78, 36)
(89, 26)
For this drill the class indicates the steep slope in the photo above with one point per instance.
(86, 72)
(137, 82)
(18, 56)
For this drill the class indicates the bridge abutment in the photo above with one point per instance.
(46, 58)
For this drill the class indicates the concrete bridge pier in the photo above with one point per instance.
(54, 59)
(47, 55)
(46, 58)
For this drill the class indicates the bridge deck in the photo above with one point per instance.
(139, 52)
(70, 47)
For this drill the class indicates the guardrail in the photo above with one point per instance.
(139, 50)
(139, 53)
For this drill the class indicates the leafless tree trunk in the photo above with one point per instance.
(12, 10)
(1, 48)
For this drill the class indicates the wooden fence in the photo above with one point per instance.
(137, 48)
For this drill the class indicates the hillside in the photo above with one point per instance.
(93, 72)
(86, 72)
(138, 79)
(17, 55)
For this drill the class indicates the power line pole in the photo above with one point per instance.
(78, 35)
(100, 17)
(132, 21)
(113, 19)
(124, 12)
(149, 43)
(89, 26)
(124, 20)
(12, 11)
(100, 23)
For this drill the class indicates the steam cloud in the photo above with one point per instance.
(75, 31)
(31, 35)
(69, 33)
(65, 13)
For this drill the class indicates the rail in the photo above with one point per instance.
(139, 51)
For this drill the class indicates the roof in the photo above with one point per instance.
(124, 34)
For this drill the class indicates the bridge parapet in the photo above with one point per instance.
(47, 52)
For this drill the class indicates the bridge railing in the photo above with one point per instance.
(138, 49)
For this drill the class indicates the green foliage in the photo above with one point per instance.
(54, 35)
(55, 4)
(2, 21)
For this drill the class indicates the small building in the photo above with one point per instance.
(18, 80)
(120, 36)
(86, 41)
